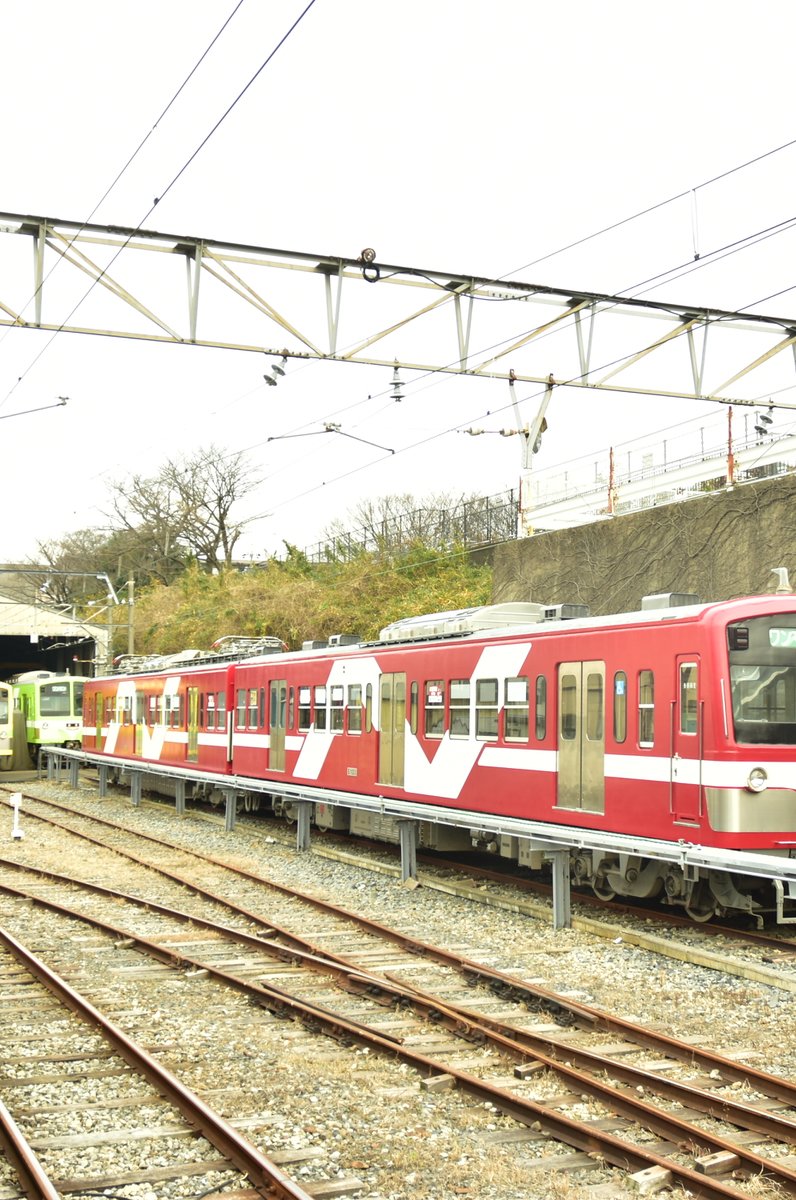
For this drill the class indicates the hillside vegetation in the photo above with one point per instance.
(298, 601)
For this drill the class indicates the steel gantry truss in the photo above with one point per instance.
(306, 306)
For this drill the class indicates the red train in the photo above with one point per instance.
(676, 723)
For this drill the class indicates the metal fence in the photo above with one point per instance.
(477, 521)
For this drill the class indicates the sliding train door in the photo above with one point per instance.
(276, 724)
(581, 736)
(392, 727)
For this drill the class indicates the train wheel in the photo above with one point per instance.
(701, 904)
(6, 762)
(601, 888)
(247, 803)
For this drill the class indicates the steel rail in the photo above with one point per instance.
(501, 982)
(265, 1176)
(33, 1179)
(468, 1023)
(583, 1136)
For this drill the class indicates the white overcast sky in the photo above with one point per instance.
(457, 135)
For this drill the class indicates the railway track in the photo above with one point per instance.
(502, 1060)
(196, 1146)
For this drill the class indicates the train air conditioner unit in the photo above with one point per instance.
(344, 639)
(565, 612)
(668, 600)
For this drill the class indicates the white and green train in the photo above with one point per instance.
(53, 709)
(6, 726)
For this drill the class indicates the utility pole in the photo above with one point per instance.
(130, 615)
(532, 437)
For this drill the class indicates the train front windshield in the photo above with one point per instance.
(63, 699)
(762, 654)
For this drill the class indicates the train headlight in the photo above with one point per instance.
(758, 780)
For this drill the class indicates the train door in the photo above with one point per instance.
(140, 720)
(686, 777)
(276, 725)
(99, 713)
(392, 725)
(192, 754)
(581, 736)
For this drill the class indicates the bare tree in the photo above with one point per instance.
(184, 511)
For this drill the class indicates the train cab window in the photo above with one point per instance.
(77, 706)
(594, 708)
(688, 697)
(337, 710)
(646, 708)
(541, 708)
(435, 708)
(620, 707)
(517, 710)
(486, 708)
(240, 709)
(369, 708)
(54, 700)
(460, 708)
(320, 707)
(414, 694)
(355, 708)
(569, 707)
(305, 711)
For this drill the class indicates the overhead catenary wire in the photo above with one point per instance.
(118, 177)
(163, 193)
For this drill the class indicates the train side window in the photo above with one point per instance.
(221, 711)
(486, 708)
(140, 708)
(414, 694)
(369, 708)
(291, 707)
(320, 708)
(646, 708)
(620, 707)
(355, 708)
(153, 710)
(594, 707)
(541, 708)
(240, 709)
(435, 708)
(337, 710)
(460, 708)
(305, 712)
(261, 722)
(688, 697)
(569, 707)
(517, 709)
(211, 710)
(252, 718)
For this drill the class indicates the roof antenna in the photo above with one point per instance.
(783, 583)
